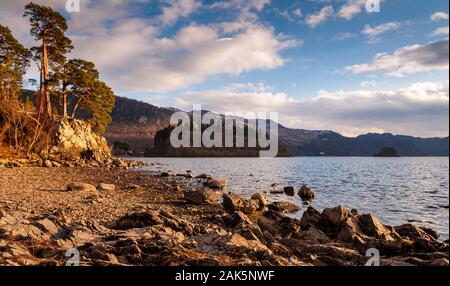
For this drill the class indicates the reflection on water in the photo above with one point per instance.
(397, 190)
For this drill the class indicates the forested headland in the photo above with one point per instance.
(65, 86)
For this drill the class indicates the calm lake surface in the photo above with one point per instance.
(397, 190)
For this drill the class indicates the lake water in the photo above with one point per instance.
(397, 190)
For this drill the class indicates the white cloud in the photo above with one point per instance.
(373, 33)
(290, 14)
(368, 83)
(408, 60)
(247, 10)
(298, 12)
(314, 20)
(440, 31)
(419, 109)
(176, 9)
(11, 12)
(439, 16)
(342, 36)
(241, 4)
(380, 29)
(351, 8)
(347, 11)
(236, 98)
(193, 54)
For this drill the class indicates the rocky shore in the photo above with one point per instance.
(113, 214)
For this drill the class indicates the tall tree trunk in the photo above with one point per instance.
(75, 107)
(64, 103)
(40, 103)
(45, 69)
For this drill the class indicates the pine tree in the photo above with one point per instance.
(81, 82)
(14, 59)
(100, 104)
(48, 27)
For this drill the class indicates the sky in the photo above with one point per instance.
(321, 64)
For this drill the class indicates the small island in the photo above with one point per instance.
(387, 152)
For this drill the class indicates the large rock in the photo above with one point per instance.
(238, 243)
(138, 220)
(310, 217)
(119, 163)
(335, 254)
(363, 228)
(47, 164)
(306, 193)
(232, 203)
(215, 243)
(263, 202)
(169, 173)
(245, 227)
(314, 235)
(205, 196)
(279, 225)
(414, 232)
(285, 207)
(74, 139)
(153, 218)
(332, 220)
(14, 226)
(290, 191)
(215, 184)
(371, 226)
(106, 187)
(47, 226)
(351, 232)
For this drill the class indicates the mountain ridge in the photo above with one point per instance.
(136, 123)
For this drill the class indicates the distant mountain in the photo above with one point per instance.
(135, 123)
(328, 143)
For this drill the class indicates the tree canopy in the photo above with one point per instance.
(12, 53)
(48, 27)
(88, 92)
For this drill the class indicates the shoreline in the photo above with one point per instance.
(147, 220)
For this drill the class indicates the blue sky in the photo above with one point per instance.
(322, 64)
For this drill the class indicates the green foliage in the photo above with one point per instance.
(100, 103)
(90, 93)
(49, 26)
(14, 59)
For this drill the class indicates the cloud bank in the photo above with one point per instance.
(420, 109)
(408, 60)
